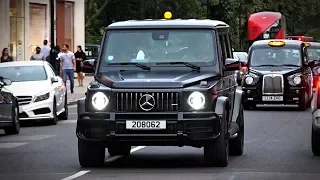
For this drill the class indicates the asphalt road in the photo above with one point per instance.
(277, 146)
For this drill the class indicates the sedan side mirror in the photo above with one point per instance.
(54, 80)
(232, 65)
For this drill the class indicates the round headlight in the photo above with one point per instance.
(249, 80)
(100, 101)
(196, 100)
(297, 80)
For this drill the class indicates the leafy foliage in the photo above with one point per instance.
(303, 16)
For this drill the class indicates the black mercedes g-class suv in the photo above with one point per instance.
(163, 83)
(278, 73)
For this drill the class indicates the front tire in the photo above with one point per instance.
(15, 128)
(90, 154)
(315, 142)
(237, 144)
(217, 153)
(303, 102)
(65, 114)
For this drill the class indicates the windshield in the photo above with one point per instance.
(275, 56)
(160, 46)
(242, 57)
(23, 73)
(314, 54)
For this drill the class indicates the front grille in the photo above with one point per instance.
(163, 101)
(23, 100)
(272, 84)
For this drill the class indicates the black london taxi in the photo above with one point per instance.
(278, 73)
(163, 83)
(314, 56)
(9, 109)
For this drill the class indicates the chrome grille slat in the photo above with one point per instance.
(272, 84)
(24, 100)
(129, 102)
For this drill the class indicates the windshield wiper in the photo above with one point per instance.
(193, 66)
(131, 63)
(265, 65)
(292, 65)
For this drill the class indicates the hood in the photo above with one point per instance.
(153, 79)
(274, 70)
(28, 88)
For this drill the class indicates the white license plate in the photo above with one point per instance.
(146, 124)
(272, 98)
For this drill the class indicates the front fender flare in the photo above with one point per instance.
(238, 102)
(81, 106)
(220, 105)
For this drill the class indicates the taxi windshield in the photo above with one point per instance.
(314, 54)
(151, 47)
(275, 57)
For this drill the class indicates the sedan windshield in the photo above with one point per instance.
(24, 73)
(154, 47)
(275, 57)
(314, 54)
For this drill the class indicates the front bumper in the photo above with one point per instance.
(192, 129)
(252, 95)
(37, 110)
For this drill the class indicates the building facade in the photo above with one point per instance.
(26, 23)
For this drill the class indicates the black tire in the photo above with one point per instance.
(248, 106)
(119, 150)
(315, 142)
(303, 102)
(90, 154)
(217, 153)
(65, 114)
(237, 144)
(54, 120)
(15, 128)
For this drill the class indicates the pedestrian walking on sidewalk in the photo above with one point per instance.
(67, 66)
(38, 55)
(45, 49)
(80, 57)
(5, 57)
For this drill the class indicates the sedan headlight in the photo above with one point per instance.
(249, 80)
(297, 80)
(100, 101)
(42, 97)
(196, 100)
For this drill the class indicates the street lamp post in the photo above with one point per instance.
(52, 52)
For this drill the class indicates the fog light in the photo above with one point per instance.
(248, 91)
(297, 91)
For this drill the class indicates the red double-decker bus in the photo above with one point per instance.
(266, 25)
(301, 38)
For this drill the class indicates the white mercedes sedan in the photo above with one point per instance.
(40, 93)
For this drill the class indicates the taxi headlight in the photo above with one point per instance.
(249, 80)
(196, 100)
(297, 80)
(100, 101)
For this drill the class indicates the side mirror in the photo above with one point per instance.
(54, 80)
(7, 82)
(232, 65)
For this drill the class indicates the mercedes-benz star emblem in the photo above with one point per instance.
(147, 102)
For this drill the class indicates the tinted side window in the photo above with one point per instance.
(223, 46)
(228, 46)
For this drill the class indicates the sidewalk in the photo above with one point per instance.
(79, 92)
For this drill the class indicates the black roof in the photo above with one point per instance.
(290, 43)
(172, 23)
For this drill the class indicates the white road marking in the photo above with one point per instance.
(81, 173)
(27, 138)
(11, 145)
(118, 157)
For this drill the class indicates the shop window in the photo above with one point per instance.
(69, 24)
(17, 29)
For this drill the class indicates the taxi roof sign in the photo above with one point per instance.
(168, 15)
(307, 44)
(276, 43)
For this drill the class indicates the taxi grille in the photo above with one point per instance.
(163, 101)
(272, 84)
(23, 100)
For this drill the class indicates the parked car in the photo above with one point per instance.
(9, 109)
(88, 66)
(40, 93)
